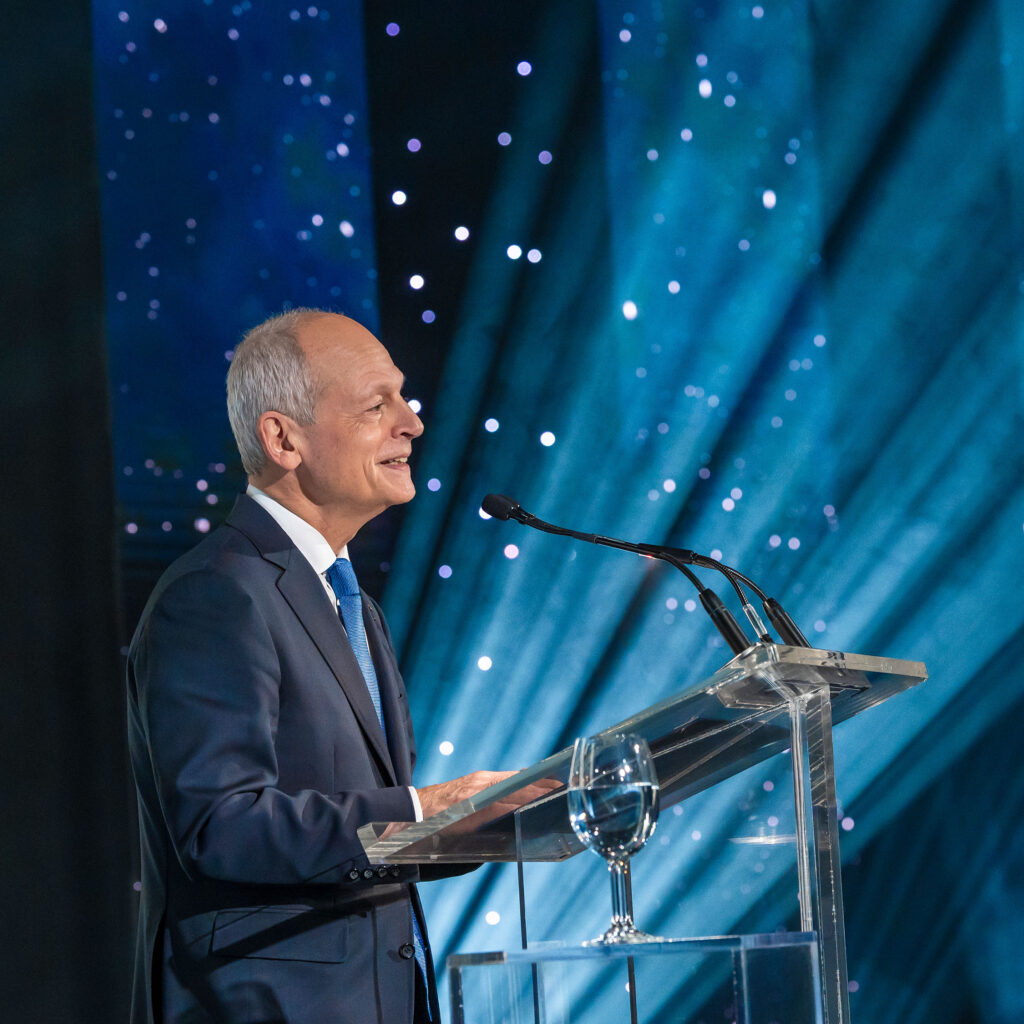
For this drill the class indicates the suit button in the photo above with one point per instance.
(395, 871)
(353, 875)
(367, 873)
(382, 871)
(406, 951)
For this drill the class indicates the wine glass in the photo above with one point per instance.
(613, 809)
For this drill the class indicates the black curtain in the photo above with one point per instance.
(68, 826)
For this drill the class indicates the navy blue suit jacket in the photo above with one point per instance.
(257, 754)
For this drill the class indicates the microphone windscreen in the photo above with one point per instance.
(500, 507)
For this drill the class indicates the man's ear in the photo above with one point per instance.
(277, 434)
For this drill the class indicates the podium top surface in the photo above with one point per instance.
(715, 729)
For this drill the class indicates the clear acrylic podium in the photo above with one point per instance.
(766, 700)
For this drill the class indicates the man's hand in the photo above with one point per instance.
(434, 799)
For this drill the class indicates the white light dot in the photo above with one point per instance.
(793, 543)
(482, 514)
(695, 835)
(847, 824)
(233, 34)
(428, 316)
(768, 785)
(461, 233)
(446, 748)
(819, 341)
(416, 281)
(790, 158)
(317, 220)
(671, 604)
(704, 88)
(398, 197)
(776, 422)
(484, 663)
(202, 524)
(444, 571)
(773, 822)
(730, 101)
(736, 493)
(131, 527)
(820, 625)
(492, 917)
(433, 484)
(728, 504)
(414, 145)
(544, 156)
(829, 510)
(652, 155)
(491, 425)
(416, 405)
(534, 255)
(774, 540)
(686, 134)
(790, 395)
(160, 25)
(668, 485)
(758, 12)
(201, 485)
(547, 439)
(393, 28)
(625, 35)
(702, 60)
(673, 287)
(341, 149)
(524, 67)
(769, 198)
(504, 139)
(853, 986)
(743, 244)
(629, 310)
(704, 473)
(511, 551)
(513, 252)
(653, 495)
(690, 605)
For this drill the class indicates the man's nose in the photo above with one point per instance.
(410, 423)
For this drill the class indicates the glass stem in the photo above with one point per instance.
(620, 915)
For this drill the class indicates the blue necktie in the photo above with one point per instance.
(342, 578)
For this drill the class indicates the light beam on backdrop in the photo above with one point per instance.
(846, 437)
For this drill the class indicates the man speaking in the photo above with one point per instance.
(268, 721)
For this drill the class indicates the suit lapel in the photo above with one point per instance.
(300, 586)
(396, 712)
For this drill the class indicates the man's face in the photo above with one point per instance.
(354, 455)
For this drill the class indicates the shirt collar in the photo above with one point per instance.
(310, 541)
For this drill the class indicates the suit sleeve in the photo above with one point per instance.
(205, 677)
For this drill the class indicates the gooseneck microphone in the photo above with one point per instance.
(501, 507)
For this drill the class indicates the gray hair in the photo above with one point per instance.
(269, 372)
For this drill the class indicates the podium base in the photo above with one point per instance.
(746, 979)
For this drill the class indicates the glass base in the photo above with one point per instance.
(622, 932)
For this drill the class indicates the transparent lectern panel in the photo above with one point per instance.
(738, 717)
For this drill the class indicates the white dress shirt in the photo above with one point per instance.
(314, 547)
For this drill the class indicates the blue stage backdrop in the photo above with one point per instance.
(741, 277)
